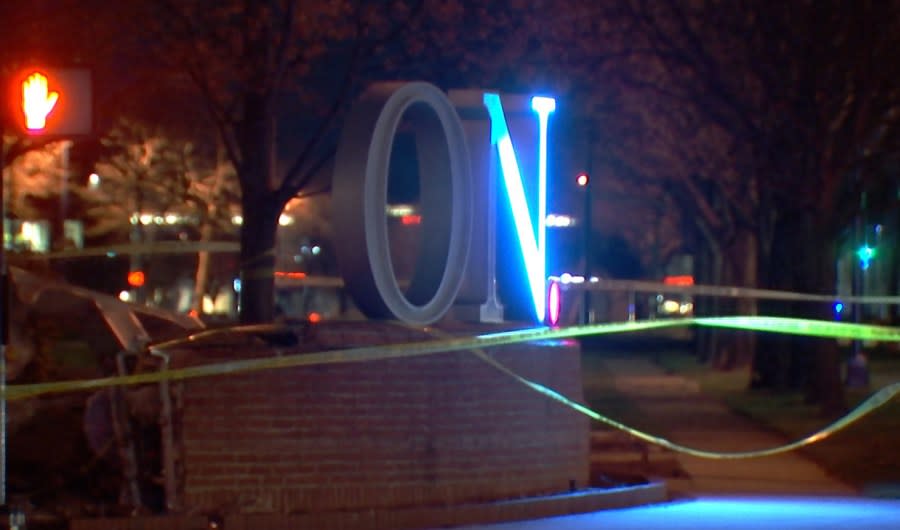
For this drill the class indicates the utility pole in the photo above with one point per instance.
(4, 318)
(584, 182)
(857, 366)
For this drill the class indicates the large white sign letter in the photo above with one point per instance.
(359, 198)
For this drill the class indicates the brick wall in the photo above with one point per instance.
(438, 430)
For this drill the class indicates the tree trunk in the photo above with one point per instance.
(802, 259)
(201, 276)
(892, 262)
(710, 272)
(825, 387)
(258, 237)
(743, 343)
(260, 209)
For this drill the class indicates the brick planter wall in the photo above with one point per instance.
(438, 430)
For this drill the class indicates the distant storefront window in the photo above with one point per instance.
(33, 236)
(74, 233)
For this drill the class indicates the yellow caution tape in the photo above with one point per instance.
(477, 344)
(809, 328)
(875, 401)
(868, 406)
(361, 354)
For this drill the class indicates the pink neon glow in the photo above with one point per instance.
(554, 304)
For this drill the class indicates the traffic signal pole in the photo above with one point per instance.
(42, 92)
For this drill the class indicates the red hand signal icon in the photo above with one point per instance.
(37, 101)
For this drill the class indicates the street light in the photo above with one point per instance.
(582, 180)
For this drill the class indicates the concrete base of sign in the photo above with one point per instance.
(490, 312)
(441, 429)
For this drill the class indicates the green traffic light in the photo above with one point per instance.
(866, 254)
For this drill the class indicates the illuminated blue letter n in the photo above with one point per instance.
(531, 233)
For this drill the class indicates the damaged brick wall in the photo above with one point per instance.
(437, 430)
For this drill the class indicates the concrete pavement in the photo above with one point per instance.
(677, 410)
(786, 491)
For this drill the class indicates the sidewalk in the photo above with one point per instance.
(680, 413)
(785, 491)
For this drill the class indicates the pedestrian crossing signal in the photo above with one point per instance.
(37, 101)
(51, 101)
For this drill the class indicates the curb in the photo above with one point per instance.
(417, 518)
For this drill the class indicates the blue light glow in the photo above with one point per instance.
(543, 106)
(533, 246)
(740, 513)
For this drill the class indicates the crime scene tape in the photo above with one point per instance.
(869, 405)
(360, 354)
(477, 344)
(873, 402)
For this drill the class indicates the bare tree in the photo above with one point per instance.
(275, 76)
(157, 174)
(763, 119)
(804, 94)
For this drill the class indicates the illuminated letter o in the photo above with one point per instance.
(359, 200)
